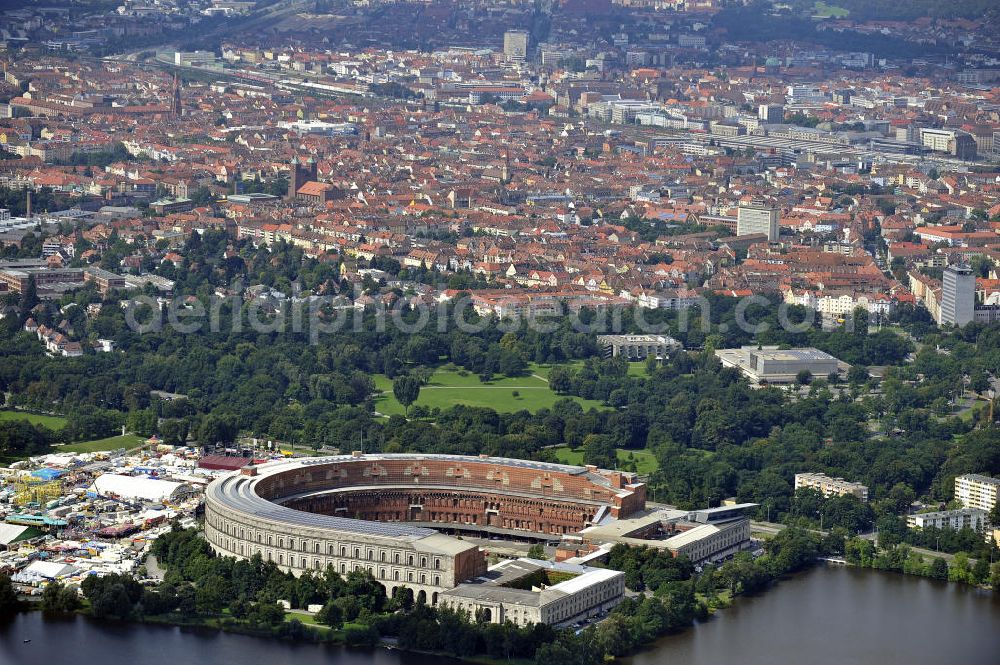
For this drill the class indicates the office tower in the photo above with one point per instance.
(515, 45)
(771, 114)
(958, 296)
(758, 218)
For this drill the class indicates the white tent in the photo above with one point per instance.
(140, 488)
(44, 570)
(10, 533)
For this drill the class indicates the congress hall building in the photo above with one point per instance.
(381, 513)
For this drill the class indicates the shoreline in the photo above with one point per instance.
(319, 634)
(702, 646)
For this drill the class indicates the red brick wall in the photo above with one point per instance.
(442, 506)
(508, 497)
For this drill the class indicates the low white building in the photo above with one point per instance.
(710, 542)
(705, 535)
(526, 591)
(971, 518)
(769, 364)
(830, 486)
(638, 347)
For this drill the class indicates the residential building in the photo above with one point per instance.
(637, 347)
(830, 486)
(963, 518)
(976, 491)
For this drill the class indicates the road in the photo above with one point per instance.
(153, 568)
(922, 550)
(771, 528)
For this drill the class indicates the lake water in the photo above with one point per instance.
(835, 616)
(844, 616)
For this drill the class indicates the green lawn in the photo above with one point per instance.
(968, 415)
(543, 369)
(638, 370)
(645, 462)
(449, 387)
(824, 10)
(310, 620)
(52, 422)
(111, 443)
(307, 619)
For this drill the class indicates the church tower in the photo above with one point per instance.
(294, 181)
(175, 102)
(300, 174)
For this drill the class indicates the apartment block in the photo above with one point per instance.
(971, 518)
(975, 491)
(637, 347)
(831, 486)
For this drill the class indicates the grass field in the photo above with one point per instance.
(310, 620)
(637, 370)
(111, 443)
(543, 369)
(645, 462)
(303, 617)
(824, 10)
(449, 387)
(52, 422)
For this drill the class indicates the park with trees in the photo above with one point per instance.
(905, 431)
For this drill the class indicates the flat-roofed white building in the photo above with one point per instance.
(710, 542)
(976, 491)
(769, 364)
(705, 535)
(637, 347)
(758, 219)
(971, 518)
(526, 591)
(830, 486)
